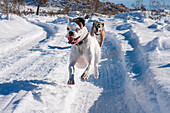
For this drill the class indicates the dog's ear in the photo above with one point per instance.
(93, 24)
(81, 20)
(103, 24)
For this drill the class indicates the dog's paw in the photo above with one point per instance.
(70, 82)
(96, 76)
(84, 76)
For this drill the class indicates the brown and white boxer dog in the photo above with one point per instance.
(85, 50)
(99, 32)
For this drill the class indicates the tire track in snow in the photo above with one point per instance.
(140, 93)
(111, 79)
(85, 95)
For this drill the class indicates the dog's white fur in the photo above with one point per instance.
(85, 55)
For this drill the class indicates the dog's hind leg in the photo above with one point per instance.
(85, 75)
(97, 59)
(96, 73)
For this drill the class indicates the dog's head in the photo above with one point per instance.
(98, 27)
(75, 30)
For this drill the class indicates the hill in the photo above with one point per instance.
(65, 6)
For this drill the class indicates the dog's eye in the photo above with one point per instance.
(77, 29)
(68, 29)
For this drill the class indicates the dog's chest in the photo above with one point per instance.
(82, 59)
(98, 38)
(81, 49)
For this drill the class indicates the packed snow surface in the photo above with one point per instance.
(134, 67)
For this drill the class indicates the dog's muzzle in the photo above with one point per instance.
(97, 31)
(72, 40)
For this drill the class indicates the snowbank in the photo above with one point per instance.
(148, 79)
(16, 33)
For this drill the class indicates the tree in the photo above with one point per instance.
(6, 5)
(94, 4)
(16, 7)
(67, 8)
(143, 8)
(138, 5)
(40, 2)
(97, 4)
(157, 4)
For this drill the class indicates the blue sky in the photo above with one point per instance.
(129, 2)
(125, 2)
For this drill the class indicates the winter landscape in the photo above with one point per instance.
(134, 70)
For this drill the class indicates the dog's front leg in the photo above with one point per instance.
(73, 58)
(71, 74)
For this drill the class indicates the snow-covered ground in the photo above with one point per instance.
(134, 68)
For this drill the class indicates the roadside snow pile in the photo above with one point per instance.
(148, 62)
(16, 33)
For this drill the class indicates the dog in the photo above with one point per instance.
(85, 50)
(99, 32)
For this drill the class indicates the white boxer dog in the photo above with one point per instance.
(99, 32)
(85, 50)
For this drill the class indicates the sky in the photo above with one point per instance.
(129, 2)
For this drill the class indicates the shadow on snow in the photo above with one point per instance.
(58, 47)
(165, 66)
(16, 86)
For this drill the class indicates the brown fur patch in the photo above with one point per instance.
(80, 21)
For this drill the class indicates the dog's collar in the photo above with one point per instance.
(82, 41)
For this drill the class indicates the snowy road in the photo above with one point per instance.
(34, 67)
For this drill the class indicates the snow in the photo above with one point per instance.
(17, 33)
(134, 68)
